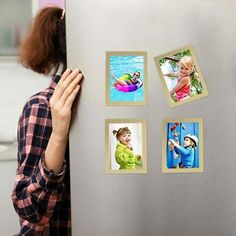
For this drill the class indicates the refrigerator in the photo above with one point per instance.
(153, 203)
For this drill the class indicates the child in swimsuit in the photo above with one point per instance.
(127, 79)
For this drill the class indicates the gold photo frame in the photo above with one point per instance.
(182, 145)
(126, 78)
(181, 76)
(126, 146)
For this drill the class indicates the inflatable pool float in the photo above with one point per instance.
(131, 85)
(126, 88)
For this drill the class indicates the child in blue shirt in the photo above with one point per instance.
(187, 150)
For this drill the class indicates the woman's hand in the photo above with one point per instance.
(61, 102)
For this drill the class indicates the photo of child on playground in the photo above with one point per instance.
(126, 78)
(126, 147)
(181, 76)
(183, 146)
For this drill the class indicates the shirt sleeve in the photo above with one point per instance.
(124, 156)
(37, 190)
(182, 150)
(176, 150)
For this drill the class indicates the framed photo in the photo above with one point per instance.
(182, 147)
(126, 78)
(126, 146)
(181, 77)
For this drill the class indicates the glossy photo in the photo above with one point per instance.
(126, 78)
(126, 146)
(182, 147)
(181, 76)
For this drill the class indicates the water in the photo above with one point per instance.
(120, 65)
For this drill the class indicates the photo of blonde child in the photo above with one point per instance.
(182, 90)
(181, 76)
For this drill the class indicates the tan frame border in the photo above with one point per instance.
(164, 137)
(170, 100)
(108, 150)
(145, 82)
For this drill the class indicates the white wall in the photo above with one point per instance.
(16, 85)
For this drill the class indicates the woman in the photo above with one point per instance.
(41, 194)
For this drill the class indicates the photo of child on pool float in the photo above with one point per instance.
(128, 82)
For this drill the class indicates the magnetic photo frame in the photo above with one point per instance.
(126, 78)
(187, 156)
(178, 87)
(127, 155)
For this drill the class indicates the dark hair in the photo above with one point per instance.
(44, 47)
(121, 131)
(136, 72)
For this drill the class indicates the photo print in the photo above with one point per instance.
(126, 148)
(182, 148)
(126, 78)
(181, 77)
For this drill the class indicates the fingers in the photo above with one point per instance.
(64, 75)
(71, 87)
(57, 92)
(71, 97)
(65, 81)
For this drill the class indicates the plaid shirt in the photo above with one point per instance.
(41, 198)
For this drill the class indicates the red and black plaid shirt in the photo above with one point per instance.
(41, 198)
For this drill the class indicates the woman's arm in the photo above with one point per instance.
(39, 180)
(37, 189)
(61, 103)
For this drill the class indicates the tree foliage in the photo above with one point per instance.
(178, 55)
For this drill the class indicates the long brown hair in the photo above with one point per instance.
(44, 47)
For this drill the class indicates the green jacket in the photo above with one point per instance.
(126, 158)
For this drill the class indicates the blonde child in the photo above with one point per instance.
(183, 88)
(124, 154)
